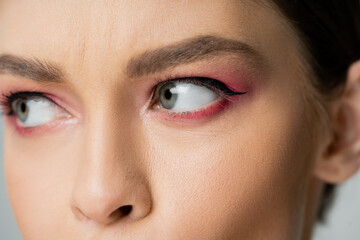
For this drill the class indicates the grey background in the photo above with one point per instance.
(343, 222)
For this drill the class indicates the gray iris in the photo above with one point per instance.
(167, 96)
(22, 110)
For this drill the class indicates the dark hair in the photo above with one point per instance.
(330, 30)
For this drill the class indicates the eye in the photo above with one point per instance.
(180, 96)
(35, 110)
(189, 94)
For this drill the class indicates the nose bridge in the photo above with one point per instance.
(110, 184)
(105, 133)
(107, 142)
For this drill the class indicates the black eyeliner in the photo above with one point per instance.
(209, 82)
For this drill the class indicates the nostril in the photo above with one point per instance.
(125, 210)
(120, 213)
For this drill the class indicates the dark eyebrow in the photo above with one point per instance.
(187, 51)
(32, 68)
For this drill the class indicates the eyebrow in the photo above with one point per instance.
(188, 51)
(32, 68)
(149, 62)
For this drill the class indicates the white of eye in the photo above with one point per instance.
(34, 112)
(182, 96)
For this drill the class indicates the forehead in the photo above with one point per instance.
(78, 35)
(118, 25)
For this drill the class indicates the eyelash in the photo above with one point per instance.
(7, 100)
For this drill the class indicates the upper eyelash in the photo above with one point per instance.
(5, 103)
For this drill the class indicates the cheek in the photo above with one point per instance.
(239, 170)
(36, 180)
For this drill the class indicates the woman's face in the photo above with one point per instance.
(100, 145)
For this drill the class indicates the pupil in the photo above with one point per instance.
(168, 94)
(23, 107)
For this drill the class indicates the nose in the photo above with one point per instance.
(109, 185)
(104, 201)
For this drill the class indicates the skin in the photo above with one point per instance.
(243, 173)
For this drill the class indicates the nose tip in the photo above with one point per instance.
(106, 211)
(106, 203)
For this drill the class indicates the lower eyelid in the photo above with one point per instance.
(45, 128)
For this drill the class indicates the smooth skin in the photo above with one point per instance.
(252, 171)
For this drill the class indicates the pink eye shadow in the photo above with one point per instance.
(237, 79)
